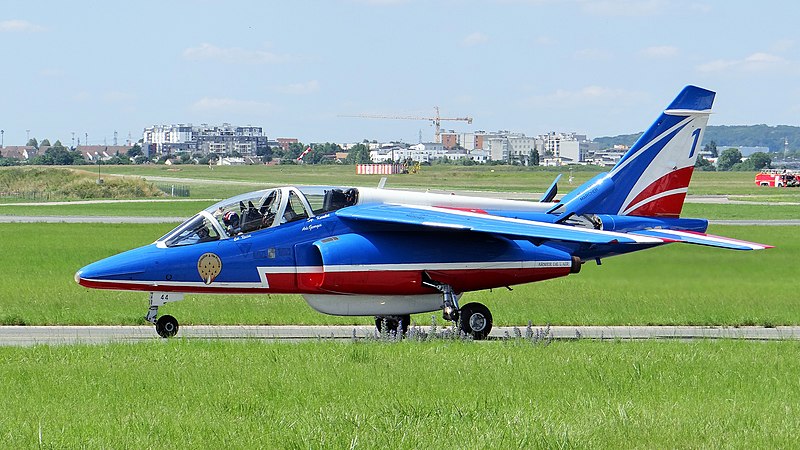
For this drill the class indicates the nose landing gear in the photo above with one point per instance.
(166, 325)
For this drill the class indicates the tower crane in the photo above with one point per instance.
(436, 120)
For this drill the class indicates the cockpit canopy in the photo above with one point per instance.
(258, 210)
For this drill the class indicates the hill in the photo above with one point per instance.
(730, 136)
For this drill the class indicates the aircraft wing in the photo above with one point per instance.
(453, 219)
(691, 237)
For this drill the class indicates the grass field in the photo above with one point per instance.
(183, 394)
(143, 209)
(675, 284)
(489, 178)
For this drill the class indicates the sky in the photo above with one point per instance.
(595, 67)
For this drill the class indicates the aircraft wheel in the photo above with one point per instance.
(475, 320)
(167, 326)
(393, 322)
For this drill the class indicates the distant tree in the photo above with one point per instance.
(704, 165)
(359, 154)
(534, 158)
(32, 143)
(294, 150)
(266, 151)
(45, 143)
(728, 158)
(711, 148)
(759, 160)
(135, 151)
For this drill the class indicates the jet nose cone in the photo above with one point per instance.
(126, 266)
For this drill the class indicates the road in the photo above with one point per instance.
(61, 335)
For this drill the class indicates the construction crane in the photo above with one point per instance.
(436, 120)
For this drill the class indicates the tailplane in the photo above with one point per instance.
(652, 178)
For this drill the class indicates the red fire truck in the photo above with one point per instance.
(778, 178)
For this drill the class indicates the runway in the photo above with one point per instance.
(63, 335)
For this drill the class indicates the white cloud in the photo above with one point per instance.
(205, 52)
(81, 96)
(588, 94)
(752, 63)
(660, 52)
(229, 105)
(545, 41)
(381, 2)
(306, 88)
(118, 97)
(782, 45)
(19, 26)
(476, 38)
(592, 54)
(52, 72)
(623, 8)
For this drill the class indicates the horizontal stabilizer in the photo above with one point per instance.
(691, 237)
(457, 220)
(551, 192)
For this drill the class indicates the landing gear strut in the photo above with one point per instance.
(473, 319)
(166, 326)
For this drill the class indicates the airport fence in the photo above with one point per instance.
(174, 190)
(33, 195)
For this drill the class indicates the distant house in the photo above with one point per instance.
(20, 152)
(94, 153)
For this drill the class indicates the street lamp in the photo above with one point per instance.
(2, 135)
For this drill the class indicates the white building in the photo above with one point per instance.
(570, 148)
(224, 139)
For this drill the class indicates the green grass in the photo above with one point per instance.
(143, 209)
(737, 211)
(674, 285)
(20, 183)
(495, 178)
(584, 394)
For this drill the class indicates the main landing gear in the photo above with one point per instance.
(166, 325)
(473, 319)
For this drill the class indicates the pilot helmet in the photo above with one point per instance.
(231, 218)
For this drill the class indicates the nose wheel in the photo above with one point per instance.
(166, 325)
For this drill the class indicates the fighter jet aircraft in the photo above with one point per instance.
(388, 253)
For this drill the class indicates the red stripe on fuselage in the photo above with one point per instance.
(385, 282)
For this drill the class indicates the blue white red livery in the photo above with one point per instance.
(389, 253)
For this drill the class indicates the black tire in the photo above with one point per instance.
(167, 326)
(393, 322)
(475, 320)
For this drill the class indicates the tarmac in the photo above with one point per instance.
(68, 335)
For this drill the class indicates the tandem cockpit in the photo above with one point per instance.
(258, 210)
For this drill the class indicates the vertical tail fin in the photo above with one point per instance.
(652, 178)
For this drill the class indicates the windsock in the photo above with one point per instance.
(299, 158)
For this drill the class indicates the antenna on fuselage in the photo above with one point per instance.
(382, 183)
